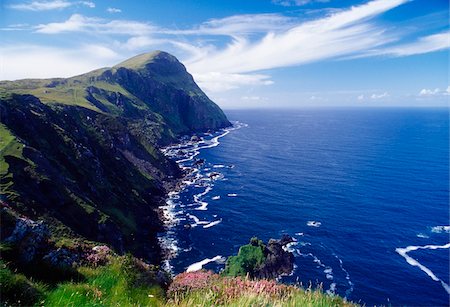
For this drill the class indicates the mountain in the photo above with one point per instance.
(82, 154)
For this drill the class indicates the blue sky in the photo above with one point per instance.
(246, 53)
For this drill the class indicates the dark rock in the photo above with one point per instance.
(30, 237)
(199, 162)
(279, 261)
(61, 257)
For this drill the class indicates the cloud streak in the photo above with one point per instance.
(80, 23)
(37, 6)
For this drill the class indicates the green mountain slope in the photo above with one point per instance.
(83, 154)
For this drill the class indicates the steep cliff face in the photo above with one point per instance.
(83, 153)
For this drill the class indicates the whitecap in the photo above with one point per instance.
(421, 235)
(332, 290)
(300, 234)
(199, 265)
(231, 195)
(212, 224)
(203, 206)
(313, 224)
(215, 197)
(196, 220)
(218, 166)
(404, 253)
(440, 229)
(328, 273)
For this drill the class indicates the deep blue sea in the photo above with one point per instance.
(364, 191)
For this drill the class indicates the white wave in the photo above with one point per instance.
(215, 197)
(313, 224)
(199, 265)
(440, 229)
(300, 234)
(404, 253)
(421, 235)
(347, 277)
(196, 220)
(219, 166)
(332, 290)
(212, 224)
(203, 206)
(231, 195)
(328, 273)
(290, 247)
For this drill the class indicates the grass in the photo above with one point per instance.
(9, 146)
(125, 281)
(208, 289)
(16, 289)
(248, 259)
(112, 285)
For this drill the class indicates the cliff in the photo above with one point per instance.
(82, 154)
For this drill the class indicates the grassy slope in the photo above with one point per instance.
(120, 284)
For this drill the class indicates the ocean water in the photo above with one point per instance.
(365, 192)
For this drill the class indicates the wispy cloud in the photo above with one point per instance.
(341, 34)
(33, 61)
(219, 82)
(48, 5)
(80, 23)
(435, 92)
(113, 10)
(425, 44)
(297, 2)
(239, 25)
(379, 96)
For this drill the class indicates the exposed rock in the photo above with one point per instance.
(61, 257)
(29, 236)
(279, 260)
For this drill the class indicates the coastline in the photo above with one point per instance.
(172, 212)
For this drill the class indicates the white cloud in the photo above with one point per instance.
(239, 25)
(379, 96)
(360, 97)
(113, 10)
(425, 44)
(252, 98)
(80, 23)
(340, 34)
(88, 4)
(219, 82)
(434, 92)
(29, 61)
(296, 2)
(48, 5)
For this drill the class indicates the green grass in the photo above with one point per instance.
(9, 146)
(204, 288)
(138, 61)
(248, 259)
(16, 289)
(111, 285)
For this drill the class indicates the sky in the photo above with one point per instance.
(246, 53)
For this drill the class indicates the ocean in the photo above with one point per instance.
(364, 191)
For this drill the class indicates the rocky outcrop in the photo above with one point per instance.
(262, 261)
(278, 260)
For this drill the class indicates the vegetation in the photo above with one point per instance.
(123, 282)
(248, 259)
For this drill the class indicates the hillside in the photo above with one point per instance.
(82, 154)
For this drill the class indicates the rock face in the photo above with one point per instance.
(278, 260)
(82, 154)
(262, 261)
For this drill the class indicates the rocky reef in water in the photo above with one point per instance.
(259, 260)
